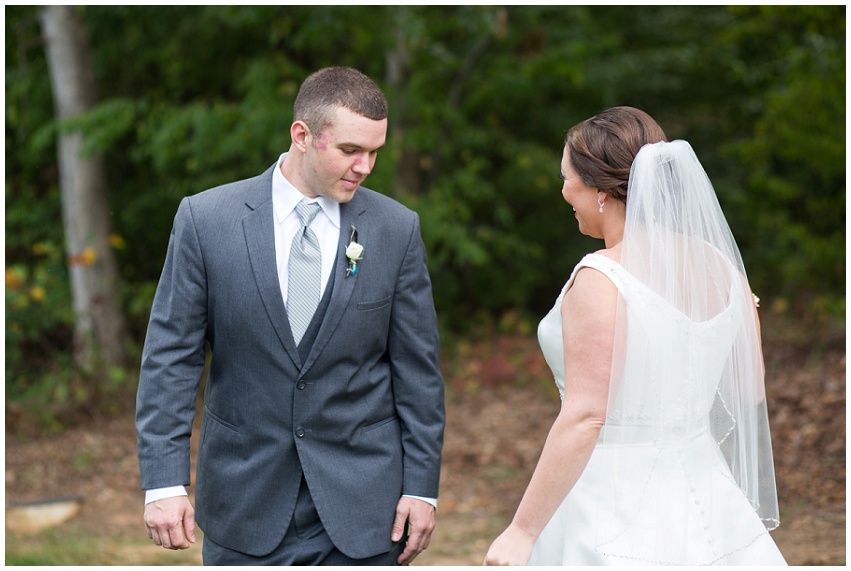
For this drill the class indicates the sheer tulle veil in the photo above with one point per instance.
(687, 364)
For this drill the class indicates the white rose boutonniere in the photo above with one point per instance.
(354, 252)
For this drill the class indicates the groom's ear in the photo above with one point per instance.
(301, 135)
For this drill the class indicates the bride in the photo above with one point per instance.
(661, 451)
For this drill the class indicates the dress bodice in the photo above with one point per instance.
(663, 343)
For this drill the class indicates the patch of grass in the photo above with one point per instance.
(76, 546)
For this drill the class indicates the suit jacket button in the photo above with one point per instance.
(300, 386)
(299, 432)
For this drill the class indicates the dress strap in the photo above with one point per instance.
(604, 264)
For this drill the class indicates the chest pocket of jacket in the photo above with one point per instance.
(372, 305)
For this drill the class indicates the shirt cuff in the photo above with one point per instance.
(431, 501)
(174, 491)
(163, 493)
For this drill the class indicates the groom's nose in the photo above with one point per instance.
(363, 163)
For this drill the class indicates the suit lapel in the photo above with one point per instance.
(259, 230)
(343, 286)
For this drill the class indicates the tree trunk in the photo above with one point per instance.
(100, 330)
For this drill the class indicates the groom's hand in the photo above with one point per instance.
(420, 518)
(171, 522)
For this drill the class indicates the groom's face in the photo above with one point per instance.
(338, 158)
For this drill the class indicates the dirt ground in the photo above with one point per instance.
(494, 434)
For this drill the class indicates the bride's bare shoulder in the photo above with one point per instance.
(592, 295)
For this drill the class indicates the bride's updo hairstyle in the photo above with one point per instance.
(603, 147)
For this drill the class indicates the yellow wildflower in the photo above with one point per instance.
(40, 249)
(37, 293)
(89, 256)
(13, 279)
(117, 241)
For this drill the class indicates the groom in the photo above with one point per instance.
(323, 409)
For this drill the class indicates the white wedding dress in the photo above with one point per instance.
(679, 480)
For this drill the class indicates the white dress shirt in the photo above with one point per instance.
(285, 197)
(326, 226)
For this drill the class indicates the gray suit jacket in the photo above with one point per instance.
(362, 416)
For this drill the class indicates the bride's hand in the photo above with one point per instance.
(512, 547)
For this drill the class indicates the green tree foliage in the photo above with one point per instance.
(791, 198)
(481, 98)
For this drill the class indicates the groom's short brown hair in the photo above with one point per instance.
(325, 90)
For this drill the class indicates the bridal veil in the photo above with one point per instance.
(687, 369)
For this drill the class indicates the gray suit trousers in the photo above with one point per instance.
(305, 543)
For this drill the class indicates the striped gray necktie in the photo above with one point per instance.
(305, 269)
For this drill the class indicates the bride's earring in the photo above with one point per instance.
(600, 202)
